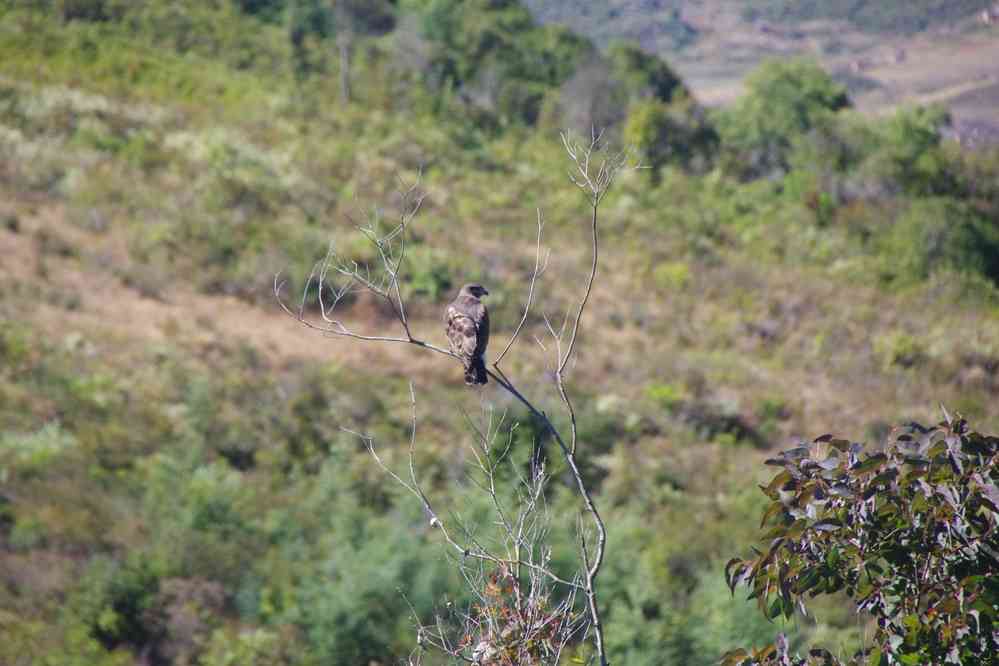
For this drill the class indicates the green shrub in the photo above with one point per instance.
(15, 344)
(495, 53)
(252, 647)
(672, 275)
(116, 602)
(87, 10)
(431, 273)
(785, 100)
(907, 152)
(908, 533)
(350, 579)
(677, 133)
(669, 396)
(940, 233)
(200, 513)
(899, 349)
(30, 454)
(644, 75)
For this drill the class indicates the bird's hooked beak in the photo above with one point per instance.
(485, 292)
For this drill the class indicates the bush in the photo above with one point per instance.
(785, 100)
(909, 152)
(678, 132)
(116, 602)
(355, 582)
(258, 647)
(908, 533)
(87, 10)
(31, 454)
(899, 349)
(645, 75)
(496, 56)
(939, 234)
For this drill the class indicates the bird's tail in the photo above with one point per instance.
(475, 372)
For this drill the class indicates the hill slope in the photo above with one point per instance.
(177, 486)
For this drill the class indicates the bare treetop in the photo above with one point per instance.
(527, 611)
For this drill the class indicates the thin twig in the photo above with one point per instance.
(539, 267)
(593, 174)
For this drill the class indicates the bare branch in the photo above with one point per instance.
(539, 267)
(413, 486)
(338, 328)
(541, 625)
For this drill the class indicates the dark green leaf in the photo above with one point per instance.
(871, 463)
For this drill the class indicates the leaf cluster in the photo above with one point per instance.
(909, 533)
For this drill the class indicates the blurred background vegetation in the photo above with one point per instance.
(174, 484)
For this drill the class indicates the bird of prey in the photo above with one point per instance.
(466, 322)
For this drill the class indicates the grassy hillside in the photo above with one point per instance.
(175, 483)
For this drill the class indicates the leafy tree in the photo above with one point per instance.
(267, 9)
(784, 100)
(603, 89)
(117, 602)
(306, 18)
(84, 10)
(643, 74)
(496, 57)
(909, 533)
(677, 132)
(941, 233)
(912, 154)
(357, 18)
(592, 97)
(343, 20)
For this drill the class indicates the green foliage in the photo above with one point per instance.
(431, 274)
(30, 454)
(784, 100)
(176, 486)
(117, 602)
(256, 647)
(908, 533)
(911, 153)
(669, 396)
(677, 133)
(88, 10)
(496, 56)
(643, 74)
(342, 571)
(269, 9)
(941, 234)
(673, 275)
(651, 632)
(342, 20)
(899, 349)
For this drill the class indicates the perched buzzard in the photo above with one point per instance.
(467, 324)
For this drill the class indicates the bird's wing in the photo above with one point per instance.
(482, 329)
(462, 332)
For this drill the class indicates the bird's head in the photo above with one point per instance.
(475, 289)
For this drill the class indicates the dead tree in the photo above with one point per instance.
(526, 613)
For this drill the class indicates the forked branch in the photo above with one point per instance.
(336, 278)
